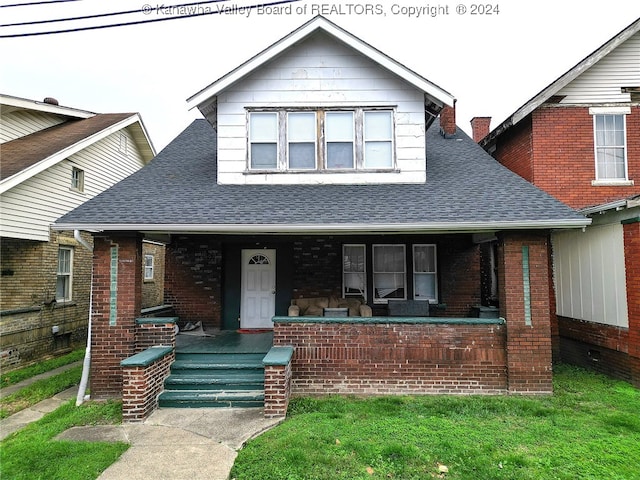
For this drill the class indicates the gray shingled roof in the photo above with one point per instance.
(465, 186)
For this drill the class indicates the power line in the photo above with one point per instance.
(139, 22)
(30, 4)
(110, 14)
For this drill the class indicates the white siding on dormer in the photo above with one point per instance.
(19, 123)
(602, 82)
(321, 72)
(28, 209)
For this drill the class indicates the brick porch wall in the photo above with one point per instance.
(631, 230)
(114, 337)
(394, 358)
(525, 306)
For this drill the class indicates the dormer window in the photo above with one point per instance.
(321, 140)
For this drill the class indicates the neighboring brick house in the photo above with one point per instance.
(579, 140)
(53, 158)
(325, 168)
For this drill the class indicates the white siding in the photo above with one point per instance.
(19, 123)
(28, 209)
(589, 275)
(321, 73)
(602, 82)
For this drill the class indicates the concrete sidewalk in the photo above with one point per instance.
(36, 412)
(178, 443)
(172, 444)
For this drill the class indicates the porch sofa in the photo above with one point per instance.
(314, 306)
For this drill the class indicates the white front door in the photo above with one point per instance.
(258, 303)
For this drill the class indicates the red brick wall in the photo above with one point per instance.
(600, 347)
(141, 387)
(564, 158)
(395, 358)
(151, 334)
(277, 389)
(632, 268)
(528, 346)
(193, 279)
(113, 343)
(515, 150)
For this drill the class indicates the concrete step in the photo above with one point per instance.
(215, 380)
(199, 398)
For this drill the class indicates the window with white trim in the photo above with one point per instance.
(312, 140)
(354, 272)
(389, 273)
(64, 274)
(610, 146)
(148, 267)
(77, 179)
(425, 275)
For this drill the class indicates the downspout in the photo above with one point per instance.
(80, 398)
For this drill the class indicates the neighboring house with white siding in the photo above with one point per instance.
(53, 159)
(579, 140)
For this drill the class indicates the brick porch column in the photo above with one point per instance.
(117, 297)
(523, 276)
(631, 230)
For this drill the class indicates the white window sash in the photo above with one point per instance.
(607, 168)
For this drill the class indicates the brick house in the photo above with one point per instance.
(326, 169)
(53, 159)
(579, 140)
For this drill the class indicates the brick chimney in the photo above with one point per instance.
(448, 120)
(480, 127)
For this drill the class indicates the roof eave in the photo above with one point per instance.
(337, 228)
(60, 155)
(563, 81)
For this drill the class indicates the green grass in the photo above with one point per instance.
(11, 378)
(38, 391)
(33, 454)
(589, 429)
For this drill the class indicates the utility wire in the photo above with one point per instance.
(110, 14)
(139, 22)
(30, 4)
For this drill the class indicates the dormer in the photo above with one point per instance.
(321, 106)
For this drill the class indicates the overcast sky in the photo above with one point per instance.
(492, 63)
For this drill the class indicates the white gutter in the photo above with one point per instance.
(327, 228)
(86, 364)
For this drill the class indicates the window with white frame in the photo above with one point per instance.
(301, 140)
(263, 141)
(378, 140)
(321, 139)
(389, 273)
(425, 280)
(77, 179)
(64, 274)
(148, 267)
(354, 275)
(610, 146)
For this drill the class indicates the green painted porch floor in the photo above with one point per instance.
(225, 341)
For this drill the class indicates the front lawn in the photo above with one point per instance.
(33, 454)
(589, 429)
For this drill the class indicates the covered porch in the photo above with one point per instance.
(451, 350)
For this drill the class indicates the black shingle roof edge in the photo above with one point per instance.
(466, 190)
